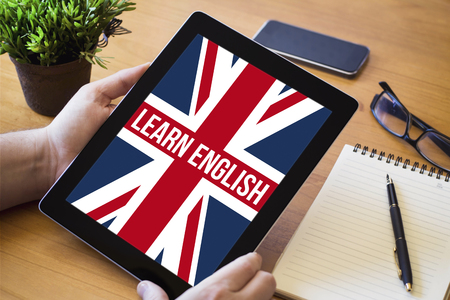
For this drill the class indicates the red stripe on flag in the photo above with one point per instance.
(112, 205)
(159, 206)
(177, 183)
(207, 75)
(282, 105)
(189, 242)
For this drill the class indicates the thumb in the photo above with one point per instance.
(149, 291)
(119, 83)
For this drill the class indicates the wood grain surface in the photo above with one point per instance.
(410, 49)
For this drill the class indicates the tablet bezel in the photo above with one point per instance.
(126, 256)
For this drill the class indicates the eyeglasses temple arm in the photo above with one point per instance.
(387, 88)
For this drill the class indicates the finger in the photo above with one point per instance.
(149, 291)
(261, 286)
(119, 83)
(238, 273)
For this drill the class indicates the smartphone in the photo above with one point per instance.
(311, 47)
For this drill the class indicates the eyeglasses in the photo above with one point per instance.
(395, 118)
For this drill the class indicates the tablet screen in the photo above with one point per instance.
(194, 165)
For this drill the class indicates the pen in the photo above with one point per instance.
(403, 263)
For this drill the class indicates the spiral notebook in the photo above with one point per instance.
(343, 249)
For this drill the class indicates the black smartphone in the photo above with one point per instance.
(311, 47)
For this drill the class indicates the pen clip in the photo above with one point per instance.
(399, 271)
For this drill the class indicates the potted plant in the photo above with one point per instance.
(50, 41)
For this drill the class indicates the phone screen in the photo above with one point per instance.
(312, 47)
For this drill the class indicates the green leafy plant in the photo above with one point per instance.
(50, 32)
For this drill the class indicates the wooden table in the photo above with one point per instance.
(410, 49)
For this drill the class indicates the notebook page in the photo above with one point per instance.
(343, 248)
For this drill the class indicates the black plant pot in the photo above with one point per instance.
(48, 89)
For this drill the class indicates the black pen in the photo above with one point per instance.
(403, 263)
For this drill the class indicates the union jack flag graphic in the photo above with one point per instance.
(197, 161)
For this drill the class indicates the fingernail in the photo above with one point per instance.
(142, 287)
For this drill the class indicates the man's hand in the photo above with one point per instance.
(240, 279)
(84, 114)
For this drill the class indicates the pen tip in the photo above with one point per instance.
(388, 179)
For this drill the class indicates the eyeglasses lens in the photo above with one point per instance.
(391, 114)
(436, 147)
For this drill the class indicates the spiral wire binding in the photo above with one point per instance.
(398, 161)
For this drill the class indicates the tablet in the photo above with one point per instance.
(200, 158)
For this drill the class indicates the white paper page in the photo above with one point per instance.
(343, 248)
